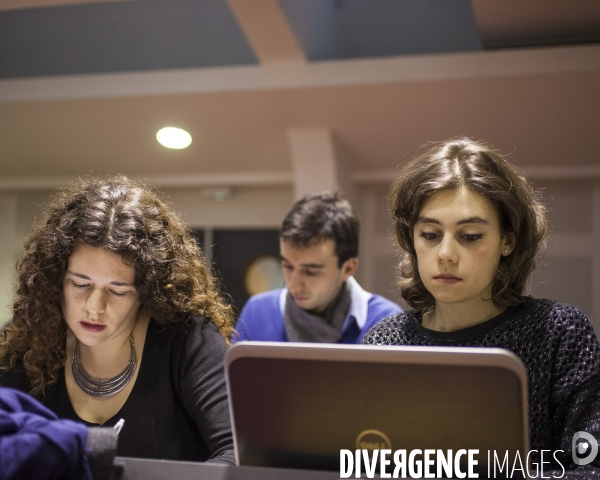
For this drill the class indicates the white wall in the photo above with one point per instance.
(248, 207)
(378, 254)
(569, 271)
(9, 248)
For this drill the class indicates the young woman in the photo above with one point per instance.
(470, 228)
(116, 317)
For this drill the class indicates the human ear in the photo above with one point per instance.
(509, 242)
(349, 267)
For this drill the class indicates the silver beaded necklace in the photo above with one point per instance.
(102, 388)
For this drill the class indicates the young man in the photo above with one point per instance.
(322, 301)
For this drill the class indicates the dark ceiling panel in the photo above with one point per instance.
(534, 23)
(329, 29)
(121, 36)
(316, 24)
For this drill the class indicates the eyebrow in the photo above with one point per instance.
(85, 277)
(465, 221)
(304, 265)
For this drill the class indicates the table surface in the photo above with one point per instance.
(149, 469)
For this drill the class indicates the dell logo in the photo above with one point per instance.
(373, 440)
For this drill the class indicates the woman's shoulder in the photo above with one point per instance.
(198, 325)
(571, 335)
(15, 377)
(548, 305)
(196, 334)
(391, 330)
(557, 314)
(561, 322)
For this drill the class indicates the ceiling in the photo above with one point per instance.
(85, 85)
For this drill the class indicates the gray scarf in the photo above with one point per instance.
(306, 326)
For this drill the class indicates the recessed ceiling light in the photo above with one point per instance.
(172, 137)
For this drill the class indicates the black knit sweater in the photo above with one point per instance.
(558, 346)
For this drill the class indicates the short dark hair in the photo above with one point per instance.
(323, 216)
(464, 162)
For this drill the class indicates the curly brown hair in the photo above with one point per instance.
(124, 217)
(464, 162)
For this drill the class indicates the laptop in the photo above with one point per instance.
(297, 405)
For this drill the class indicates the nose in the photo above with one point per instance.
(95, 304)
(294, 280)
(447, 251)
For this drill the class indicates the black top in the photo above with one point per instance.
(561, 352)
(178, 406)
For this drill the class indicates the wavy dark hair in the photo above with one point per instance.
(463, 162)
(124, 217)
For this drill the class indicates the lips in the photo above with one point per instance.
(447, 278)
(92, 327)
(299, 298)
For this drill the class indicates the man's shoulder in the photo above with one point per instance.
(383, 305)
(264, 300)
(379, 308)
(261, 318)
(263, 308)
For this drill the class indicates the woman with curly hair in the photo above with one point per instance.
(470, 228)
(116, 317)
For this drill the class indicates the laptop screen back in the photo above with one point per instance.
(297, 406)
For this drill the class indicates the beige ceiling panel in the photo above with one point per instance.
(267, 30)
(378, 71)
(545, 119)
